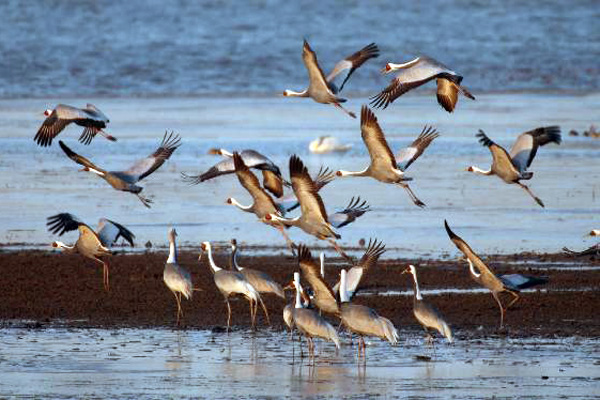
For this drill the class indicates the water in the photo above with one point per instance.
(490, 215)
(142, 48)
(146, 363)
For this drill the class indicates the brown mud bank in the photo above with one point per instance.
(42, 289)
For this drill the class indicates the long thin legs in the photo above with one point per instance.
(412, 195)
(497, 298)
(340, 251)
(350, 113)
(179, 310)
(537, 199)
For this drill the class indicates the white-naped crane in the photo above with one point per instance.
(323, 297)
(363, 320)
(260, 280)
(497, 284)
(309, 322)
(262, 204)
(426, 313)
(512, 167)
(272, 180)
(384, 167)
(313, 219)
(322, 89)
(357, 273)
(177, 278)
(288, 309)
(90, 117)
(417, 72)
(289, 202)
(231, 283)
(91, 244)
(126, 180)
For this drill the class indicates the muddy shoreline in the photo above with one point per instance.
(45, 289)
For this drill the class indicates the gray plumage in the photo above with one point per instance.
(272, 180)
(177, 278)
(90, 117)
(126, 180)
(427, 314)
(483, 275)
(417, 72)
(90, 244)
(260, 280)
(512, 168)
(322, 89)
(356, 274)
(383, 166)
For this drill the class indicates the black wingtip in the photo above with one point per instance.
(65, 148)
(304, 253)
(238, 162)
(449, 231)
(484, 139)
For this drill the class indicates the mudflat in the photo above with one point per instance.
(43, 289)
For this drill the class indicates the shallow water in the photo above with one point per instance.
(142, 363)
(490, 215)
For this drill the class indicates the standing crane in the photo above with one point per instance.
(233, 282)
(427, 315)
(177, 278)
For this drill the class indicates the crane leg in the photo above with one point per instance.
(145, 201)
(537, 199)
(228, 313)
(501, 308)
(340, 251)
(105, 276)
(514, 300)
(289, 242)
(264, 310)
(412, 195)
(350, 113)
(252, 313)
(178, 300)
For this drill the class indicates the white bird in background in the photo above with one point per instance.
(417, 72)
(321, 89)
(233, 282)
(126, 180)
(90, 117)
(177, 278)
(384, 167)
(328, 144)
(427, 315)
(512, 168)
(90, 244)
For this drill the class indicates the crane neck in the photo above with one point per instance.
(342, 173)
(64, 247)
(172, 251)
(298, 287)
(234, 264)
(291, 93)
(417, 290)
(473, 270)
(322, 257)
(343, 293)
(210, 259)
(240, 206)
(479, 171)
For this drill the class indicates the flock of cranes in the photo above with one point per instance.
(273, 202)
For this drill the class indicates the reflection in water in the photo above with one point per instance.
(144, 363)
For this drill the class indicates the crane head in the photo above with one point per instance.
(47, 112)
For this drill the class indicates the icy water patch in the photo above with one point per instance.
(149, 363)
